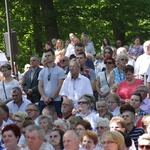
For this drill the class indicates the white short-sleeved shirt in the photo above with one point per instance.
(74, 89)
(8, 88)
(13, 107)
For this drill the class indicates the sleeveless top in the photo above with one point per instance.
(118, 75)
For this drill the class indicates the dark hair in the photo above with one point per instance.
(82, 53)
(48, 43)
(108, 41)
(72, 57)
(111, 51)
(50, 50)
(138, 94)
(128, 68)
(86, 124)
(127, 139)
(137, 37)
(61, 133)
(79, 44)
(16, 89)
(127, 107)
(5, 109)
(8, 66)
(14, 128)
(109, 58)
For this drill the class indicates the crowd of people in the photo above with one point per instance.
(74, 98)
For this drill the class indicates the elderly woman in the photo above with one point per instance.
(46, 123)
(56, 139)
(103, 78)
(7, 84)
(10, 136)
(18, 119)
(102, 126)
(144, 142)
(128, 86)
(117, 74)
(112, 140)
(62, 124)
(113, 104)
(89, 140)
(102, 109)
(84, 107)
(82, 126)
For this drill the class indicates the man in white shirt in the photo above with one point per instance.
(18, 102)
(75, 85)
(142, 65)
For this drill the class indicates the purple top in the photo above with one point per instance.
(136, 51)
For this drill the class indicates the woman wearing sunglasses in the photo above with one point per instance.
(84, 107)
(144, 142)
(117, 74)
(103, 78)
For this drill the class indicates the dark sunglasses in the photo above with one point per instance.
(100, 127)
(84, 102)
(124, 59)
(62, 60)
(144, 146)
(49, 77)
(107, 62)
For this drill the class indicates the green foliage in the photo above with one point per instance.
(36, 21)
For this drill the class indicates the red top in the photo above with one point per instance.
(125, 90)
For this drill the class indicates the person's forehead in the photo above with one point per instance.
(126, 113)
(31, 106)
(33, 133)
(116, 123)
(144, 142)
(135, 97)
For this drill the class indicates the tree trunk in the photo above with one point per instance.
(49, 15)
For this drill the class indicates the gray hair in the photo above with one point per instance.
(121, 50)
(49, 119)
(40, 130)
(65, 123)
(147, 43)
(103, 120)
(121, 56)
(142, 86)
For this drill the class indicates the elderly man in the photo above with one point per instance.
(64, 63)
(30, 82)
(66, 108)
(143, 90)
(35, 139)
(18, 103)
(71, 140)
(75, 85)
(142, 65)
(33, 112)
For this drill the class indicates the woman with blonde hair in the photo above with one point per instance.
(112, 140)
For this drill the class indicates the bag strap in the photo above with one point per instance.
(4, 89)
(106, 78)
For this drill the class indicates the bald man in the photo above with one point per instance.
(71, 140)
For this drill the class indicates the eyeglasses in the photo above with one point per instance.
(109, 102)
(56, 126)
(79, 129)
(106, 142)
(100, 127)
(144, 146)
(84, 102)
(31, 110)
(18, 121)
(140, 91)
(124, 59)
(107, 62)
(62, 61)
